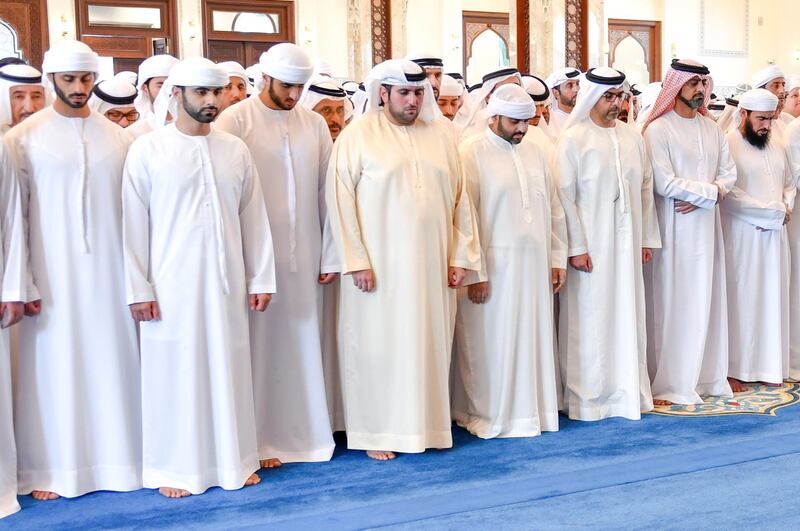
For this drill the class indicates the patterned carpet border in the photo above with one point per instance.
(758, 400)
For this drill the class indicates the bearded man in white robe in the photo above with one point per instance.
(238, 86)
(13, 268)
(773, 79)
(152, 73)
(754, 217)
(21, 94)
(451, 97)
(77, 405)
(606, 189)
(539, 92)
(471, 119)
(190, 283)
(405, 231)
(504, 374)
(291, 146)
(564, 84)
(687, 298)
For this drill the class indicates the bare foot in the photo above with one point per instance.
(658, 402)
(380, 456)
(737, 386)
(173, 493)
(44, 495)
(770, 384)
(271, 463)
(252, 480)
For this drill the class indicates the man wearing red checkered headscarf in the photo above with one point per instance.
(687, 307)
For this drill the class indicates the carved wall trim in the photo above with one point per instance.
(381, 31)
(576, 21)
(28, 18)
(523, 35)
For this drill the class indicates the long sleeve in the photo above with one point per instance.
(259, 257)
(14, 259)
(558, 225)
(329, 259)
(344, 172)
(566, 176)
(726, 172)
(766, 215)
(466, 250)
(651, 237)
(136, 227)
(472, 182)
(789, 186)
(14, 152)
(668, 184)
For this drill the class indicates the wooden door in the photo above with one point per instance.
(27, 20)
(626, 39)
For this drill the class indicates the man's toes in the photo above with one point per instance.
(254, 479)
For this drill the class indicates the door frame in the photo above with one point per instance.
(652, 27)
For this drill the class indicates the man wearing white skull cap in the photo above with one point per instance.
(505, 316)
(238, 86)
(22, 93)
(754, 217)
(77, 409)
(451, 97)
(405, 232)
(773, 79)
(606, 189)
(687, 320)
(198, 253)
(152, 73)
(291, 146)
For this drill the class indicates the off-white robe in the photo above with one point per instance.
(757, 261)
(504, 374)
(606, 189)
(792, 146)
(77, 402)
(398, 206)
(687, 302)
(558, 119)
(197, 241)
(13, 256)
(141, 127)
(291, 151)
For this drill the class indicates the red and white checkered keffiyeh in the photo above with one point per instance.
(671, 86)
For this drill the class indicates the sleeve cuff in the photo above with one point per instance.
(258, 289)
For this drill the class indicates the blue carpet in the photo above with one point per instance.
(610, 474)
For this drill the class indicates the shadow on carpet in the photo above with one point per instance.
(475, 477)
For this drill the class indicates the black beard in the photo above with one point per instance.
(694, 103)
(276, 99)
(63, 97)
(753, 138)
(197, 114)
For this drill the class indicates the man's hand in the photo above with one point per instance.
(478, 293)
(647, 255)
(259, 301)
(11, 313)
(145, 311)
(364, 280)
(788, 217)
(455, 276)
(558, 277)
(33, 308)
(684, 207)
(582, 262)
(720, 193)
(327, 278)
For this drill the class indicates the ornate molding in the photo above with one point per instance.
(523, 35)
(738, 5)
(381, 31)
(575, 22)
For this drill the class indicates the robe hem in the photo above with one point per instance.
(199, 483)
(9, 505)
(529, 427)
(755, 377)
(602, 412)
(307, 456)
(407, 444)
(74, 483)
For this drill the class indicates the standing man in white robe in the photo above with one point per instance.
(238, 86)
(540, 94)
(21, 94)
(113, 98)
(687, 300)
(773, 79)
(152, 73)
(606, 189)
(291, 146)
(754, 217)
(198, 252)
(406, 234)
(504, 375)
(563, 84)
(451, 97)
(792, 146)
(13, 258)
(77, 402)
(326, 97)
(471, 119)
(433, 66)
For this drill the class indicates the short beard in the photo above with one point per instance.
(694, 103)
(63, 97)
(197, 114)
(276, 99)
(753, 138)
